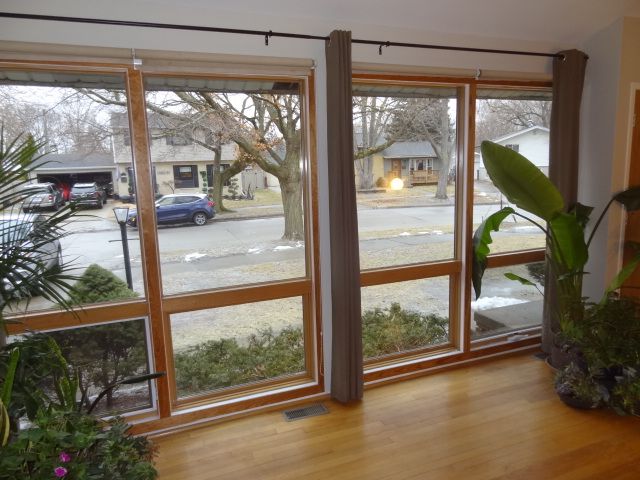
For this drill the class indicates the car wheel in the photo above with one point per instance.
(199, 218)
(55, 207)
(99, 204)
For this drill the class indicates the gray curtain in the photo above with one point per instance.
(346, 356)
(568, 80)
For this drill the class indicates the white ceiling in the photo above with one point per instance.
(558, 21)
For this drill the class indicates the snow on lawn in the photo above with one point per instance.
(288, 247)
(254, 250)
(486, 303)
(193, 256)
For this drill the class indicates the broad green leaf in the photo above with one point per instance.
(629, 198)
(481, 241)
(568, 245)
(521, 181)
(518, 278)
(624, 273)
(7, 385)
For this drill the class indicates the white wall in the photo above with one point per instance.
(598, 118)
(268, 18)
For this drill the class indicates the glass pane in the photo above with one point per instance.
(405, 163)
(73, 115)
(102, 355)
(506, 305)
(405, 316)
(519, 120)
(229, 346)
(230, 152)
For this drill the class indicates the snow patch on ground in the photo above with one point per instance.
(486, 303)
(254, 250)
(404, 234)
(193, 256)
(437, 232)
(282, 247)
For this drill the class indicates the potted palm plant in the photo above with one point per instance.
(63, 440)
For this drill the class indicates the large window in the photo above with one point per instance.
(406, 158)
(218, 285)
(421, 190)
(519, 119)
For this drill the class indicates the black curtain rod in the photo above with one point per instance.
(266, 34)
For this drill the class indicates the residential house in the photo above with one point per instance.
(66, 169)
(415, 162)
(181, 164)
(532, 142)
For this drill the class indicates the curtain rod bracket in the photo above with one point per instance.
(478, 73)
(136, 62)
(385, 44)
(267, 36)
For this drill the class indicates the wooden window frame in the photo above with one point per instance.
(460, 348)
(156, 307)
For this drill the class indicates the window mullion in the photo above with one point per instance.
(147, 230)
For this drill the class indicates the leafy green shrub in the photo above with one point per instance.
(381, 182)
(103, 354)
(221, 363)
(395, 330)
(72, 446)
(98, 284)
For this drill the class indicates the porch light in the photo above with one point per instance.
(396, 184)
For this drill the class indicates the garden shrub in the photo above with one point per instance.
(103, 354)
(267, 354)
(97, 285)
(222, 363)
(381, 182)
(396, 330)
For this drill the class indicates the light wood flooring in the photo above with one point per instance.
(496, 420)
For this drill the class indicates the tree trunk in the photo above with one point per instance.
(443, 174)
(445, 151)
(291, 192)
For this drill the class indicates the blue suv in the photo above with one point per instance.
(180, 208)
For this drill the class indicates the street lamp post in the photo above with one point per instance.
(122, 213)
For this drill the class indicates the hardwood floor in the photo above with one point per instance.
(496, 420)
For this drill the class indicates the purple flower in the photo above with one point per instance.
(64, 457)
(60, 471)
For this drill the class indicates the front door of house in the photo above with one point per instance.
(396, 167)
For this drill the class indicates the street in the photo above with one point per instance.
(223, 253)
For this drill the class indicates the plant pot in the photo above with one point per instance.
(576, 402)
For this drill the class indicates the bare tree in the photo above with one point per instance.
(428, 119)
(67, 122)
(498, 117)
(372, 117)
(265, 126)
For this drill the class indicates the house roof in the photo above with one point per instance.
(409, 149)
(75, 161)
(520, 133)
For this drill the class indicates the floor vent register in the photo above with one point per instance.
(305, 412)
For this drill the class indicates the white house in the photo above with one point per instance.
(532, 142)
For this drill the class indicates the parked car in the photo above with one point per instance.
(40, 196)
(21, 235)
(180, 208)
(88, 194)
